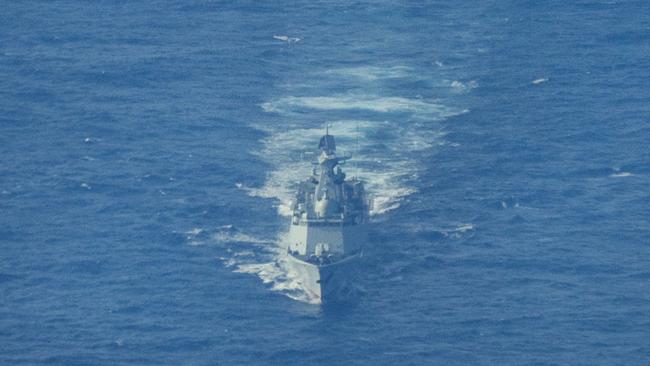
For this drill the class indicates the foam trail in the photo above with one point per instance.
(431, 109)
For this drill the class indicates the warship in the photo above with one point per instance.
(328, 227)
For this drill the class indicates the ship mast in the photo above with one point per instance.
(328, 197)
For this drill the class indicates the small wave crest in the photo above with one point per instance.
(458, 231)
(463, 87)
(287, 39)
(223, 235)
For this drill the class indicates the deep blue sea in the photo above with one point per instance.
(148, 152)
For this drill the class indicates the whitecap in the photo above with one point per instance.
(287, 39)
(458, 231)
(539, 81)
(194, 231)
(195, 237)
(228, 262)
(464, 227)
(461, 87)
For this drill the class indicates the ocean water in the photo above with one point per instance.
(149, 150)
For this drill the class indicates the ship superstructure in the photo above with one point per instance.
(328, 228)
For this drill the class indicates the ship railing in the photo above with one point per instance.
(326, 222)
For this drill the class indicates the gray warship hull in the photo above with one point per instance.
(324, 256)
(326, 283)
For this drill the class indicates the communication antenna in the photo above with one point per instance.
(356, 153)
